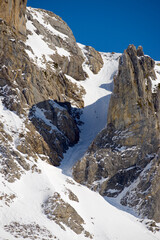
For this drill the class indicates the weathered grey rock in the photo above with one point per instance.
(143, 196)
(125, 152)
(134, 111)
(72, 196)
(121, 152)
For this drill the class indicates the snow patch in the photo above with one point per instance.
(156, 82)
(41, 51)
(62, 52)
(12, 123)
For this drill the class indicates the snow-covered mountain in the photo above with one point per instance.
(54, 99)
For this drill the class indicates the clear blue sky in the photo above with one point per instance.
(110, 25)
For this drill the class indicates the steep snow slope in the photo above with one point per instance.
(23, 202)
(98, 88)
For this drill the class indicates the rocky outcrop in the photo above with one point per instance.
(128, 147)
(94, 59)
(65, 52)
(56, 122)
(30, 231)
(13, 12)
(64, 214)
(67, 55)
(25, 87)
(132, 106)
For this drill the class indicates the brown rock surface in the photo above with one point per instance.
(23, 85)
(13, 12)
(31, 231)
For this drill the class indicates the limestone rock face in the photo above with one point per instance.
(40, 107)
(56, 124)
(132, 106)
(126, 151)
(24, 85)
(13, 12)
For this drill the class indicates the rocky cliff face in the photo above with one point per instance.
(64, 52)
(35, 82)
(123, 160)
(13, 12)
(39, 104)
(23, 85)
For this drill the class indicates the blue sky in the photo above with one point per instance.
(110, 26)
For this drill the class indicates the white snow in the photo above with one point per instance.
(156, 82)
(39, 47)
(12, 123)
(39, 16)
(98, 89)
(62, 52)
(102, 220)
